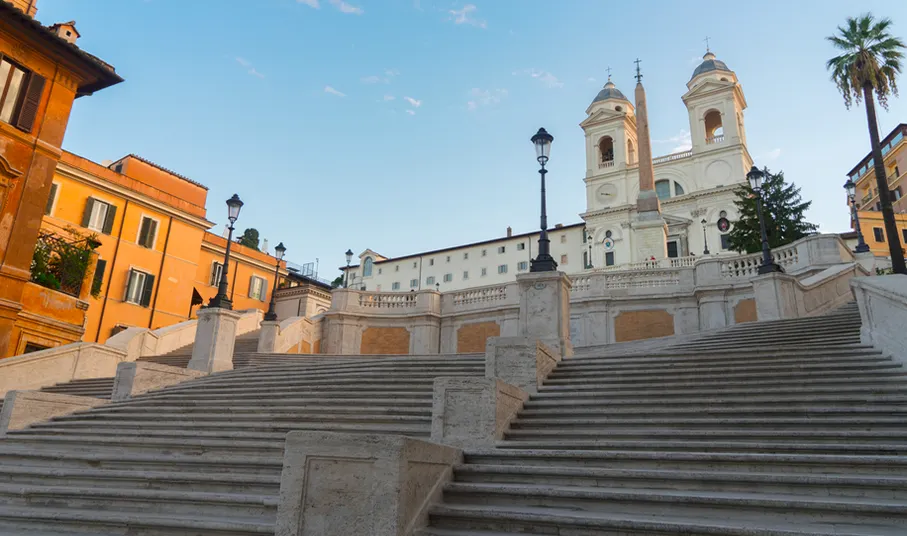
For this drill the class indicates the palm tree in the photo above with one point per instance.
(869, 63)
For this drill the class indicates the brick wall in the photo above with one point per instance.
(745, 311)
(385, 341)
(635, 325)
(472, 337)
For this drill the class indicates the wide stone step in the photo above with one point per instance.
(233, 482)
(696, 462)
(18, 520)
(879, 487)
(593, 402)
(779, 423)
(330, 399)
(879, 372)
(231, 412)
(732, 342)
(644, 364)
(236, 431)
(705, 434)
(297, 394)
(573, 396)
(848, 408)
(124, 443)
(717, 506)
(231, 421)
(715, 383)
(149, 501)
(739, 353)
(757, 445)
(480, 520)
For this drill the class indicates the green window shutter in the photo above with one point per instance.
(143, 232)
(152, 231)
(50, 199)
(31, 100)
(214, 279)
(108, 221)
(129, 279)
(98, 276)
(148, 290)
(86, 216)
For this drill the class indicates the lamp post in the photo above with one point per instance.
(220, 300)
(851, 190)
(589, 240)
(279, 250)
(544, 262)
(705, 238)
(755, 177)
(346, 275)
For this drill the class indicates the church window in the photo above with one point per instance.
(465, 275)
(431, 262)
(586, 260)
(367, 267)
(631, 152)
(414, 264)
(484, 252)
(466, 256)
(608, 234)
(678, 189)
(619, 108)
(379, 271)
(714, 132)
(448, 258)
(673, 252)
(397, 268)
(725, 241)
(563, 239)
(609, 258)
(606, 149)
(502, 249)
(663, 189)
(521, 246)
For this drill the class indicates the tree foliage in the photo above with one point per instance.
(60, 262)
(870, 56)
(337, 282)
(249, 238)
(783, 210)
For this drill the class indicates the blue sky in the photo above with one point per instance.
(404, 125)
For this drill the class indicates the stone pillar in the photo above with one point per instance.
(545, 309)
(713, 311)
(523, 362)
(214, 339)
(776, 296)
(140, 377)
(473, 412)
(340, 484)
(883, 313)
(267, 337)
(650, 236)
(24, 408)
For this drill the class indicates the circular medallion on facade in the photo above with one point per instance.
(608, 243)
(540, 286)
(724, 225)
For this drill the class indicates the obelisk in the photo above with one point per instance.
(650, 232)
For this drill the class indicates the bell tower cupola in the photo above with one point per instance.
(610, 128)
(715, 104)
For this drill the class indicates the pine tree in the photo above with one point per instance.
(249, 238)
(782, 208)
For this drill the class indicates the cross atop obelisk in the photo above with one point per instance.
(638, 74)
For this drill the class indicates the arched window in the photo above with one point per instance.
(608, 234)
(367, 267)
(663, 189)
(678, 189)
(606, 150)
(631, 152)
(714, 132)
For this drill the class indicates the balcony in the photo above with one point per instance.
(606, 164)
(714, 139)
(672, 157)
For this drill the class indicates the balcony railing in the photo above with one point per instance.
(606, 164)
(673, 157)
(714, 139)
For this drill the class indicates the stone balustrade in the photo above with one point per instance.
(673, 157)
(714, 139)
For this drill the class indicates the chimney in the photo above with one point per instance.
(509, 231)
(66, 31)
(264, 246)
(558, 225)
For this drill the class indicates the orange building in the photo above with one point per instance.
(42, 72)
(156, 261)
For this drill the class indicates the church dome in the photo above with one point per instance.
(609, 92)
(709, 64)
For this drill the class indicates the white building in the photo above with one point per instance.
(695, 188)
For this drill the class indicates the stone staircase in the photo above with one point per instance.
(205, 457)
(788, 428)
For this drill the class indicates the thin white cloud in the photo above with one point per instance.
(413, 102)
(388, 98)
(411, 112)
(253, 72)
(773, 154)
(544, 77)
(242, 61)
(347, 8)
(682, 141)
(389, 75)
(310, 3)
(591, 79)
(247, 65)
(330, 90)
(370, 79)
(466, 16)
(484, 97)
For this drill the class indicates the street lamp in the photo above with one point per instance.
(705, 238)
(220, 300)
(851, 190)
(349, 258)
(544, 262)
(589, 239)
(279, 250)
(755, 177)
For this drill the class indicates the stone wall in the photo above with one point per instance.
(472, 337)
(385, 340)
(636, 325)
(745, 311)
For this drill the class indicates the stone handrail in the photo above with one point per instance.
(281, 337)
(779, 296)
(348, 300)
(65, 363)
(883, 313)
(672, 157)
(480, 298)
(387, 300)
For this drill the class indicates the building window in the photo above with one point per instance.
(147, 232)
(397, 268)
(563, 259)
(431, 262)
(466, 256)
(725, 241)
(51, 199)
(98, 216)
(139, 287)
(367, 267)
(448, 258)
(502, 249)
(609, 258)
(678, 189)
(430, 280)
(217, 269)
(20, 95)
(563, 239)
(484, 252)
(448, 278)
(257, 288)
(502, 269)
(465, 275)
(379, 271)
(413, 283)
(608, 234)
(522, 266)
(878, 234)
(672, 249)
(586, 260)
(395, 285)
(663, 189)
(521, 246)
(414, 264)
(98, 279)
(484, 272)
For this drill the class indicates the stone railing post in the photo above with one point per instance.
(267, 337)
(545, 309)
(776, 296)
(522, 362)
(883, 313)
(214, 339)
(473, 412)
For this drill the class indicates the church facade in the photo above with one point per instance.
(637, 206)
